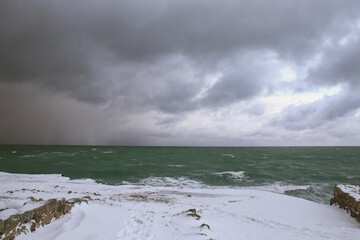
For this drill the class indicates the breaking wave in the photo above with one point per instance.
(281, 188)
(232, 176)
(181, 182)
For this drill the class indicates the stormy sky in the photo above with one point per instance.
(189, 72)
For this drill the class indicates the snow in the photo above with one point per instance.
(160, 212)
(352, 190)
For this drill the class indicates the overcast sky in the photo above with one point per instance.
(189, 72)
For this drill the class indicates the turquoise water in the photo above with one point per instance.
(306, 172)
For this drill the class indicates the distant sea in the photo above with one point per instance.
(305, 172)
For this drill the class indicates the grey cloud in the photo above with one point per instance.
(138, 56)
(340, 64)
(67, 46)
(318, 113)
(231, 88)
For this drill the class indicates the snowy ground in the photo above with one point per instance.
(143, 212)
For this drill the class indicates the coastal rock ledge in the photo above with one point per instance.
(348, 197)
(30, 220)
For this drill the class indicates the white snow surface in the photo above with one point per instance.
(352, 190)
(144, 212)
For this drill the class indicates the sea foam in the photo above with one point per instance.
(232, 176)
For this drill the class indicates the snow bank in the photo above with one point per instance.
(352, 190)
(143, 212)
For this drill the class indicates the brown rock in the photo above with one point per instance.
(33, 227)
(67, 208)
(2, 230)
(60, 205)
(205, 225)
(10, 236)
(18, 231)
(197, 216)
(46, 219)
(11, 223)
(27, 216)
(87, 197)
(57, 215)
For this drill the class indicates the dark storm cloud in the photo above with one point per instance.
(69, 46)
(167, 58)
(318, 113)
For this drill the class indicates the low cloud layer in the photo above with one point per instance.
(181, 73)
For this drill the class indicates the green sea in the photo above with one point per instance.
(305, 172)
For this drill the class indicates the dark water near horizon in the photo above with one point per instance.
(306, 172)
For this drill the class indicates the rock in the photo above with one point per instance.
(197, 216)
(42, 215)
(2, 230)
(33, 227)
(18, 231)
(10, 236)
(205, 225)
(193, 210)
(60, 205)
(46, 219)
(57, 215)
(343, 197)
(11, 223)
(72, 201)
(26, 216)
(87, 197)
(67, 208)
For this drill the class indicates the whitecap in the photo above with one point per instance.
(232, 176)
(281, 188)
(228, 155)
(176, 165)
(171, 182)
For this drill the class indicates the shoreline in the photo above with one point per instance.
(144, 212)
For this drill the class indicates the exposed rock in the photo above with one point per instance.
(33, 227)
(41, 216)
(1, 227)
(67, 208)
(72, 201)
(196, 216)
(344, 197)
(11, 223)
(205, 225)
(46, 218)
(57, 215)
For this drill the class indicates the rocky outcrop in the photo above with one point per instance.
(30, 220)
(348, 197)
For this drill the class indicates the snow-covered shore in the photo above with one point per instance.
(144, 212)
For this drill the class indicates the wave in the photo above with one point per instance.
(232, 176)
(228, 155)
(176, 165)
(182, 182)
(281, 187)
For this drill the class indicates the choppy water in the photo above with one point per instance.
(306, 172)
